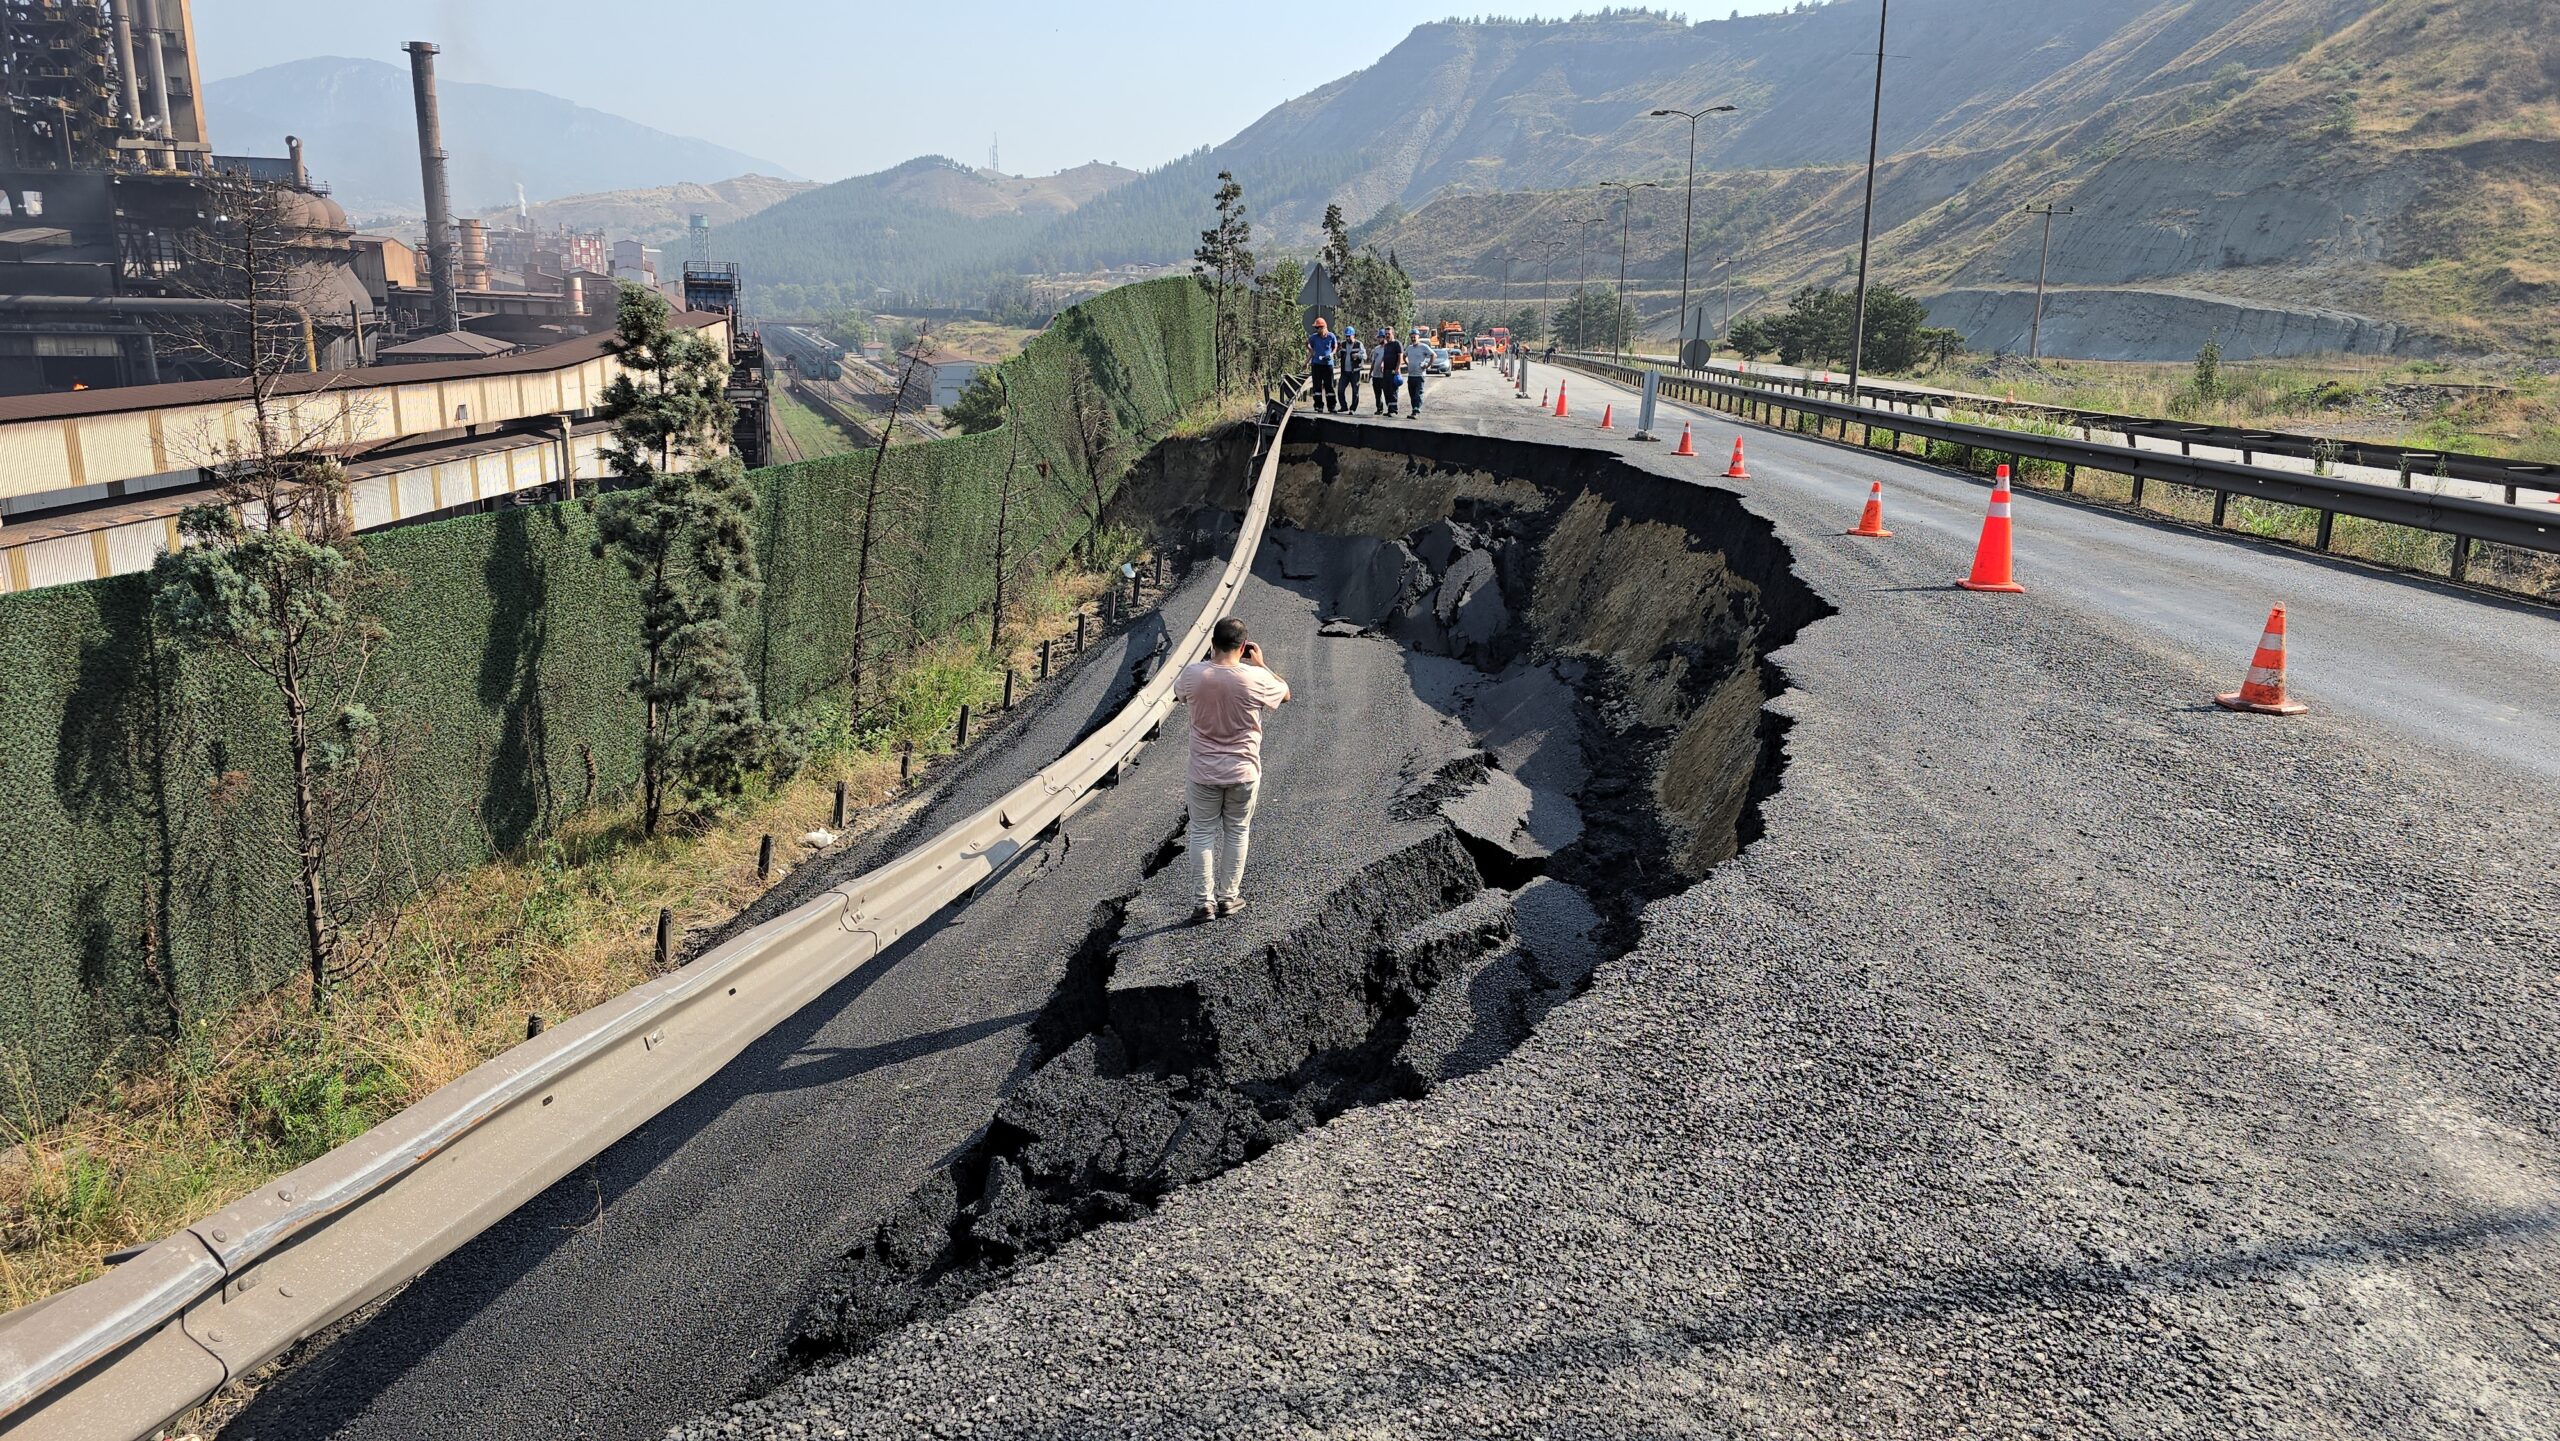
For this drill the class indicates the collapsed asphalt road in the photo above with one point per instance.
(2065, 1058)
(1062, 1051)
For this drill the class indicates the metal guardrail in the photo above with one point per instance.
(120, 1355)
(2512, 475)
(2468, 521)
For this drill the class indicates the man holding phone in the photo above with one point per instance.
(1228, 694)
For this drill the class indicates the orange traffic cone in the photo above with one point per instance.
(1871, 524)
(1544, 395)
(1560, 398)
(1685, 447)
(2263, 691)
(1991, 555)
(1607, 411)
(1735, 470)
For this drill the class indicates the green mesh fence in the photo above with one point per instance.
(144, 883)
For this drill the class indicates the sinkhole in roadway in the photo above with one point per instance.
(1543, 674)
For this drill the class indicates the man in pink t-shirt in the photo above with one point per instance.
(1227, 694)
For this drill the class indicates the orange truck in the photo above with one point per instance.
(1453, 340)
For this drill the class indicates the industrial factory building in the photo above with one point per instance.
(117, 215)
(460, 374)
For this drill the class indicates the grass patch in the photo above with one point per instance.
(816, 435)
(237, 1101)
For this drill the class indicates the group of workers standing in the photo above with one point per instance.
(1396, 368)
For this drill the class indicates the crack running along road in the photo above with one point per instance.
(659, 1280)
(2068, 1058)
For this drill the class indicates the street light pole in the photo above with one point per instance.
(1582, 262)
(1867, 226)
(1626, 219)
(2035, 333)
(1546, 307)
(1688, 218)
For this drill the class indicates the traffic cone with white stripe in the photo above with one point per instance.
(1991, 555)
(1606, 412)
(1560, 410)
(1871, 524)
(2263, 692)
(1735, 470)
(1685, 447)
(1544, 395)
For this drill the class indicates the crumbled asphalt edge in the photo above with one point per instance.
(1063, 1154)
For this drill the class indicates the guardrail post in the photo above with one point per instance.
(906, 760)
(666, 935)
(2137, 491)
(1045, 647)
(1079, 630)
(840, 811)
(764, 859)
(2328, 523)
(2404, 470)
(2070, 477)
(960, 737)
(533, 1025)
(2221, 503)
(2462, 557)
(1008, 687)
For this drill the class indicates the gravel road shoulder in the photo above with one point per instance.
(2068, 1059)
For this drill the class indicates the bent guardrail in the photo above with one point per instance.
(120, 1355)
(2466, 520)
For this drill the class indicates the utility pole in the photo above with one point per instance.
(1688, 218)
(1867, 226)
(2035, 334)
(1626, 218)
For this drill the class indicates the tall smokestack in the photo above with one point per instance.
(431, 168)
(475, 255)
(293, 153)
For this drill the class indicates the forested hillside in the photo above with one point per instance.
(906, 229)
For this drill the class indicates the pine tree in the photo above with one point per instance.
(684, 527)
(1225, 259)
(274, 574)
(1337, 256)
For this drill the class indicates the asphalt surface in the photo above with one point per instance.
(2068, 1058)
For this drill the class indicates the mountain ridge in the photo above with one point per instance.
(356, 119)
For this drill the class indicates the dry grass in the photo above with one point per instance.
(241, 1099)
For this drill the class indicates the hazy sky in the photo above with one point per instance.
(831, 88)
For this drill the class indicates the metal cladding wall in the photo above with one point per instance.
(144, 885)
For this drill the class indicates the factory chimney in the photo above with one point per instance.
(293, 154)
(475, 255)
(431, 167)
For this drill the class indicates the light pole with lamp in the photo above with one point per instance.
(1867, 226)
(1626, 217)
(1689, 216)
(1582, 265)
(2035, 333)
(1546, 307)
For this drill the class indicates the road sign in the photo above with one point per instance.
(1318, 293)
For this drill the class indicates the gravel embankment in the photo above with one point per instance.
(2067, 1059)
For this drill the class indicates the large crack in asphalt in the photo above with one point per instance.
(1601, 640)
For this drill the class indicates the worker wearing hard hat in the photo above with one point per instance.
(1320, 349)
